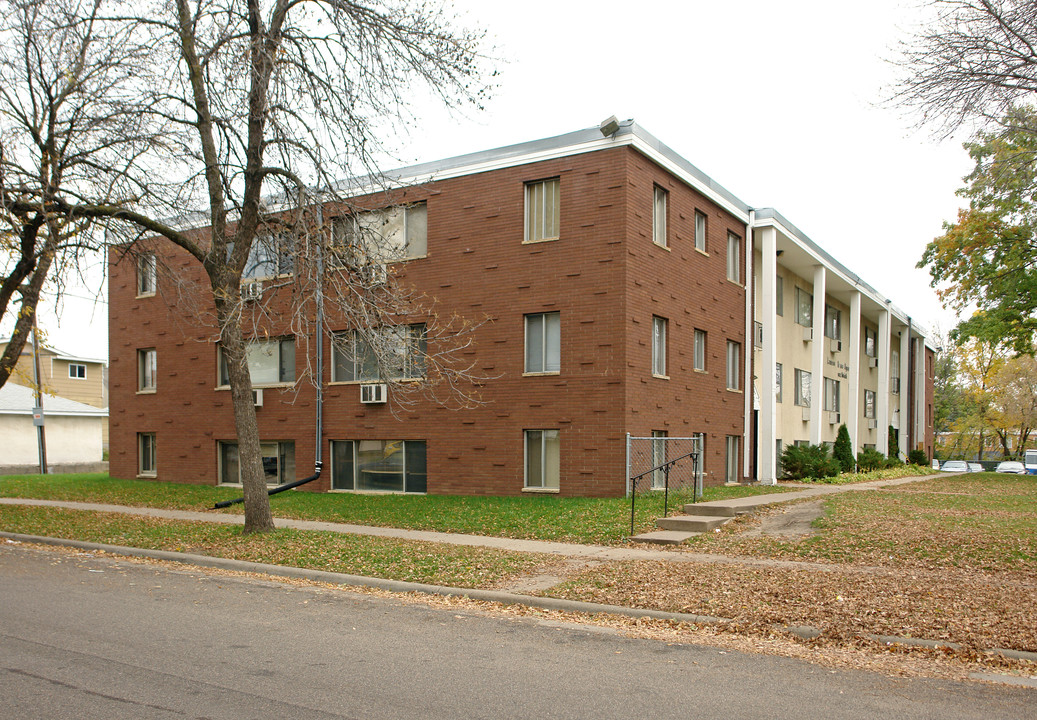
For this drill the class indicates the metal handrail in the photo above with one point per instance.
(665, 467)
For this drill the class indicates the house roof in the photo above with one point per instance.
(55, 353)
(20, 400)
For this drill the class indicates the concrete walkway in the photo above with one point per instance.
(572, 550)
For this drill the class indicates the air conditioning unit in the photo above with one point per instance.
(808, 334)
(375, 274)
(252, 291)
(374, 394)
(833, 418)
(806, 414)
(835, 346)
(873, 362)
(257, 397)
(873, 424)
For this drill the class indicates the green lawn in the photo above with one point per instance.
(541, 517)
(424, 562)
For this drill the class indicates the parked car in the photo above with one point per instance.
(1011, 466)
(955, 466)
(975, 467)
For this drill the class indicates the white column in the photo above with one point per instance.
(919, 375)
(747, 353)
(882, 394)
(817, 356)
(767, 315)
(905, 378)
(852, 413)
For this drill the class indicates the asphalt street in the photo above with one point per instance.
(86, 636)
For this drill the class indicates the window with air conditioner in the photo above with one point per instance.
(403, 350)
(804, 307)
(802, 388)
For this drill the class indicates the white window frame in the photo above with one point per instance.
(660, 206)
(701, 340)
(894, 386)
(831, 401)
(550, 474)
(778, 378)
(701, 228)
(871, 337)
(833, 322)
(734, 258)
(543, 210)
(804, 307)
(869, 404)
(734, 365)
(659, 331)
(147, 275)
(803, 389)
(548, 326)
(253, 346)
(147, 370)
(80, 373)
(147, 455)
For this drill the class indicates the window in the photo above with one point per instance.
(779, 295)
(278, 462)
(778, 469)
(542, 210)
(777, 382)
(831, 399)
(894, 362)
(146, 454)
(869, 404)
(543, 343)
(804, 307)
(870, 341)
(380, 236)
(270, 256)
(542, 459)
(700, 231)
(270, 362)
(833, 323)
(379, 465)
(403, 349)
(802, 388)
(732, 474)
(658, 458)
(734, 364)
(147, 371)
(757, 334)
(77, 371)
(734, 256)
(659, 216)
(146, 274)
(659, 346)
(700, 350)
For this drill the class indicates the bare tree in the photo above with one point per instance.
(69, 130)
(263, 107)
(972, 62)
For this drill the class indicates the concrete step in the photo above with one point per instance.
(691, 523)
(713, 510)
(664, 537)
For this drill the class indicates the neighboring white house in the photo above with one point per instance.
(73, 430)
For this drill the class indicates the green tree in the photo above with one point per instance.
(843, 450)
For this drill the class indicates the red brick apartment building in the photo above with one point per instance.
(615, 283)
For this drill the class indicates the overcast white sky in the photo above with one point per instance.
(780, 102)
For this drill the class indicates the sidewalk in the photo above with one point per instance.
(573, 550)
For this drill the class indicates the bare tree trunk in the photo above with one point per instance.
(258, 517)
(30, 299)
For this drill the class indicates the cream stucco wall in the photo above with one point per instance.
(70, 439)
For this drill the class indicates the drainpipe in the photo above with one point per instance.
(748, 351)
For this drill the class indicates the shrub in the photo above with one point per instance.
(918, 457)
(870, 459)
(843, 450)
(808, 461)
(894, 444)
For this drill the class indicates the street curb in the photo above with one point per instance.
(805, 632)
